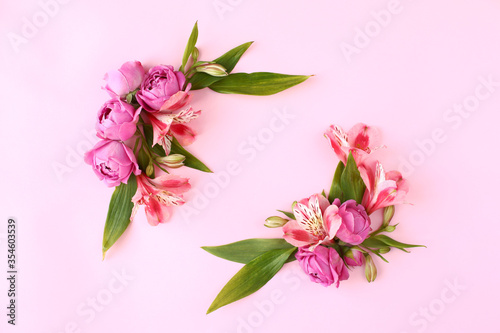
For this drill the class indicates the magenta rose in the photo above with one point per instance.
(354, 257)
(124, 80)
(116, 120)
(160, 84)
(323, 265)
(355, 225)
(112, 161)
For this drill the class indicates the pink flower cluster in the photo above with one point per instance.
(158, 98)
(327, 234)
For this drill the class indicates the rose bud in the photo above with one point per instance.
(112, 161)
(116, 120)
(124, 80)
(323, 265)
(355, 225)
(158, 86)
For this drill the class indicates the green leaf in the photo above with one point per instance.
(351, 183)
(336, 188)
(228, 60)
(288, 214)
(120, 209)
(251, 277)
(193, 38)
(190, 160)
(143, 160)
(249, 249)
(258, 83)
(381, 241)
(231, 57)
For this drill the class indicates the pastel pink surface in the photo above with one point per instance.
(266, 152)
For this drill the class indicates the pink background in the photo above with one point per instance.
(405, 78)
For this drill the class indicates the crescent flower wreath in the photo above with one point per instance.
(143, 130)
(327, 235)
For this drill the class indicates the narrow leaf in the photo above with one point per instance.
(231, 57)
(288, 214)
(193, 38)
(120, 209)
(249, 249)
(351, 183)
(251, 277)
(190, 161)
(387, 241)
(258, 83)
(336, 188)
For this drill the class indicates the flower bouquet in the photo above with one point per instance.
(326, 234)
(144, 128)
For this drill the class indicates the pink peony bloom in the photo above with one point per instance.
(112, 161)
(116, 120)
(383, 189)
(124, 80)
(316, 222)
(354, 257)
(361, 140)
(159, 195)
(323, 265)
(355, 225)
(161, 83)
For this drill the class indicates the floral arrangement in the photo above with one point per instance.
(327, 235)
(144, 127)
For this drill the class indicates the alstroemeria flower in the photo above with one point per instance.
(361, 140)
(383, 189)
(159, 195)
(169, 121)
(316, 222)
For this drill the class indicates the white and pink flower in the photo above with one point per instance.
(158, 196)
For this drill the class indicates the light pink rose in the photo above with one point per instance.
(355, 226)
(161, 83)
(124, 80)
(116, 120)
(112, 161)
(323, 265)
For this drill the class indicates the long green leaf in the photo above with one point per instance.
(258, 83)
(249, 249)
(228, 60)
(190, 161)
(381, 241)
(193, 38)
(251, 277)
(351, 182)
(336, 188)
(120, 209)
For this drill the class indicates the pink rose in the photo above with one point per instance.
(355, 225)
(124, 80)
(323, 265)
(112, 162)
(354, 257)
(160, 84)
(116, 120)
